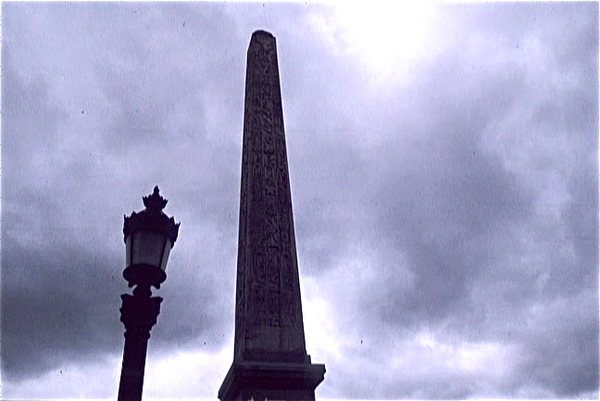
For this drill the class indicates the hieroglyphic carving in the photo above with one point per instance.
(267, 294)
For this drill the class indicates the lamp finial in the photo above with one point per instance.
(155, 202)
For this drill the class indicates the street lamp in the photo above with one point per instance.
(149, 237)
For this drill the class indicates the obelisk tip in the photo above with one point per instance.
(262, 32)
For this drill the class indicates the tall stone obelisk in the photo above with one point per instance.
(270, 359)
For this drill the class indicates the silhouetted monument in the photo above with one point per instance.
(270, 359)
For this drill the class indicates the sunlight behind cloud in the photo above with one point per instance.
(197, 373)
(386, 36)
(92, 381)
(319, 329)
(466, 357)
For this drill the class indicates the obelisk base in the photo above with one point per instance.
(271, 380)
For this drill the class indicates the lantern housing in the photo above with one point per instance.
(149, 237)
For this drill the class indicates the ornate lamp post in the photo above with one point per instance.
(149, 237)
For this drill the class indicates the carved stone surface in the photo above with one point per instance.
(268, 306)
(268, 315)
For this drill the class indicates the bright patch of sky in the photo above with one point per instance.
(386, 37)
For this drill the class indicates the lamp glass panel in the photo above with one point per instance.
(128, 251)
(165, 259)
(147, 247)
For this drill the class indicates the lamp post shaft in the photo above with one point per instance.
(132, 372)
(149, 237)
(138, 314)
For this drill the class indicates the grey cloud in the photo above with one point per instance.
(46, 323)
(61, 288)
(457, 212)
(562, 346)
(408, 174)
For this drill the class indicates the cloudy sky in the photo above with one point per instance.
(444, 172)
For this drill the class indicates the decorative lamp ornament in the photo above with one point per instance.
(149, 236)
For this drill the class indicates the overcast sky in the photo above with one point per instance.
(444, 174)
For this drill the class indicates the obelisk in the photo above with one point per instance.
(270, 359)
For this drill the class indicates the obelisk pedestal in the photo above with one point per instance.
(270, 359)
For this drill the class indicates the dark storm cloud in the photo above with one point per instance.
(46, 323)
(62, 212)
